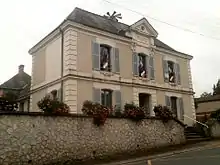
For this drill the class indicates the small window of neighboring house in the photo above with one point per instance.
(105, 57)
(107, 97)
(143, 66)
(171, 72)
(22, 106)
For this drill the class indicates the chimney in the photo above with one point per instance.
(20, 68)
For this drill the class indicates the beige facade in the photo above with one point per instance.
(79, 78)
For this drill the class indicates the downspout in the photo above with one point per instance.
(62, 46)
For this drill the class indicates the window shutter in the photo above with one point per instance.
(118, 99)
(115, 60)
(135, 63)
(147, 66)
(97, 95)
(178, 78)
(59, 94)
(151, 68)
(165, 71)
(112, 60)
(167, 101)
(181, 108)
(95, 56)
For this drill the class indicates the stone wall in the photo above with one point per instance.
(215, 129)
(39, 139)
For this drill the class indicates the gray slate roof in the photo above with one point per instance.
(19, 84)
(99, 22)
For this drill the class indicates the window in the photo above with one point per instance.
(106, 97)
(143, 66)
(144, 101)
(171, 72)
(105, 58)
(176, 105)
(22, 106)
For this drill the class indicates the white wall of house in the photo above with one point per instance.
(53, 60)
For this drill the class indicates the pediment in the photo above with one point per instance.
(144, 27)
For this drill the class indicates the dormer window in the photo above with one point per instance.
(143, 66)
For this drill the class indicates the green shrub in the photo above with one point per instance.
(8, 105)
(216, 115)
(49, 105)
(97, 111)
(134, 112)
(163, 112)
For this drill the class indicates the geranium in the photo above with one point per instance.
(163, 112)
(97, 111)
(134, 112)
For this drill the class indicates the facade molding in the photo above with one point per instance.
(125, 82)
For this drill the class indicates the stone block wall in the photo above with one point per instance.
(39, 139)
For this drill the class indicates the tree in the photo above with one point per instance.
(216, 88)
(205, 94)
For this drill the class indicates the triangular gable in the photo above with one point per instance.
(143, 26)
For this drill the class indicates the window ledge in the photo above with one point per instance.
(143, 79)
(106, 73)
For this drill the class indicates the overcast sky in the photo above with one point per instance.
(25, 22)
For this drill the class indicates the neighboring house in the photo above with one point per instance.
(91, 57)
(206, 105)
(19, 88)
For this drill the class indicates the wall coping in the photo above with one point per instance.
(2, 113)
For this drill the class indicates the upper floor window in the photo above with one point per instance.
(171, 72)
(105, 57)
(143, 66)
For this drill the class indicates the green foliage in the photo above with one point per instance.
(163, 112)
(134, 112)
(97, 111)
(49, 105)
(216, 88)
(216, 115)
(8, 105)
(205, 94)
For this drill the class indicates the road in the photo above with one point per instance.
(202, 157)
(209, 155)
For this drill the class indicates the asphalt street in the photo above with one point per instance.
(205, 154)
(202, 157)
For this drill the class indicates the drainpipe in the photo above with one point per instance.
(62, 45)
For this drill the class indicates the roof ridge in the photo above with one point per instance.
(97, 15)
